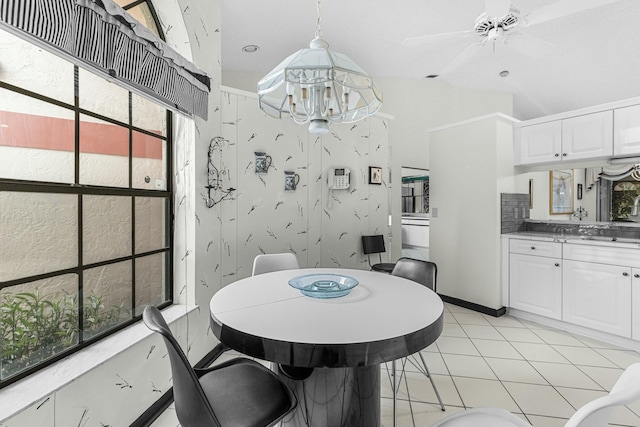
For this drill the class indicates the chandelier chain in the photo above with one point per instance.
(318, 29)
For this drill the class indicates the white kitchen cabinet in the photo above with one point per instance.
(541, 143)
(536, 247)
(597, 296)
(626, 131)
(635, 304)
(535, 284)
(415, 232)
(589, 136)
(602, 254)
(592, 285)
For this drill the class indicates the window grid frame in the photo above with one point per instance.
(26, 186)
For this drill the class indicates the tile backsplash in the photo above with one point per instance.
(514, 209)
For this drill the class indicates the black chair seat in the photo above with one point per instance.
(385, 267)
(243, 393)
(236, 393)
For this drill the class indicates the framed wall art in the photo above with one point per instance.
(561, 192)
(375, 175)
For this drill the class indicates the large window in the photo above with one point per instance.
(85, 206)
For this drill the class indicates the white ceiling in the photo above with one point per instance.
(595, 56)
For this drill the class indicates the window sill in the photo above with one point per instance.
(24, 393)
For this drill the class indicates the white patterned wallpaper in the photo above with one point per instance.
(320, 227)
(216, 246)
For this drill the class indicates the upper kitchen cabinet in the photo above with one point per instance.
(539, 143)
(588, 136)
(626, 131)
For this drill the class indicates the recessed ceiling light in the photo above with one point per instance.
(431, 76)
(250, 48)
(504, 73)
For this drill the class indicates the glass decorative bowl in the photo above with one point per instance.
(324, 285)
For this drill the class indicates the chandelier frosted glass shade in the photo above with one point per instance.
(318, 86)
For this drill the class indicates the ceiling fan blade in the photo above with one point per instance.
(416, 41)
(496, 8)
(560, 9)
(463, 57)
(529, 45)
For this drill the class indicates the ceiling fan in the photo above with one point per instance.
(502, 22)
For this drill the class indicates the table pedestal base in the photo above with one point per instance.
(336, 397)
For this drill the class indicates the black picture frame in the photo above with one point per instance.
(579, 192)
(375, 175)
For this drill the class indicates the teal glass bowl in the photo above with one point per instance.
(324, 285)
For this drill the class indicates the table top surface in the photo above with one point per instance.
(382, 309)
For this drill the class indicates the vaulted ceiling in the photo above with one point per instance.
(577, 60)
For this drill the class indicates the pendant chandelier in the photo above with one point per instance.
(318, 86)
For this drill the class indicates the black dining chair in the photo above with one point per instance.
(238, 392)
(375, 245)
(425, 273)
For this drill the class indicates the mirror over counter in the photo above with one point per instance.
(604, 194)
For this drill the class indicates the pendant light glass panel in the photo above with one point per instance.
(318, 86)
(318, 69)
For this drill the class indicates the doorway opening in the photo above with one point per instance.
(415, 213)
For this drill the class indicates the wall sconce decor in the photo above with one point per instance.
(375, 175)
(581, 213)
(291, 180)
(214, 180)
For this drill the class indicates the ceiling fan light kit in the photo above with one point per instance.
(318, 86)
(486, 25)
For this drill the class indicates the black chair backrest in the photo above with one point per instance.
(373, 244)
(192, 406)
(423, 272)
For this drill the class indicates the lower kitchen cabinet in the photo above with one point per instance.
(535, 285)
(597, 296)
(635, 304)
(594, 286)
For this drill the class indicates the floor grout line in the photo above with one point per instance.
(422, 411)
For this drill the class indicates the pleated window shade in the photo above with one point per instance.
(100, 34)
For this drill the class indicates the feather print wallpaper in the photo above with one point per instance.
(216, 246)
(321, 227)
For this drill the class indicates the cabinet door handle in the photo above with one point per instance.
(564, 154)
(625, 274)
(556, 155)
(557, 264)
(637, 276)
(533, 248)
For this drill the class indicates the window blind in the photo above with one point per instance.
(100, 34)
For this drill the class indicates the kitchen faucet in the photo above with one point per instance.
(634, 211)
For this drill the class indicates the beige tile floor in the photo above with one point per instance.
(539, 373)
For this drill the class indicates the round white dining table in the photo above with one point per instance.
(336, 343)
